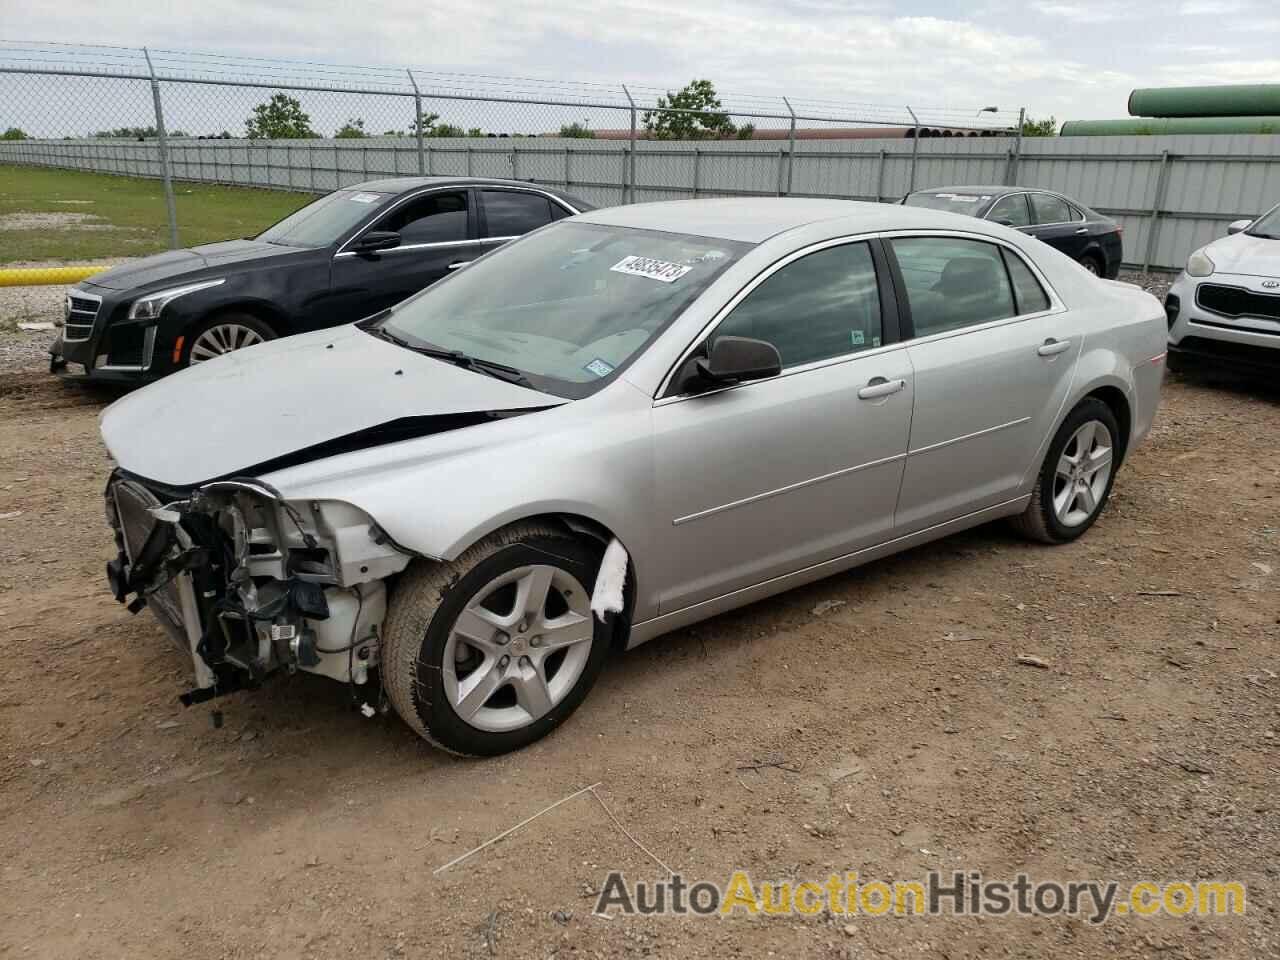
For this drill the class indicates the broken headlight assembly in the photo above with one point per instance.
(250, 582)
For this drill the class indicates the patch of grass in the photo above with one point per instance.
(131, 209)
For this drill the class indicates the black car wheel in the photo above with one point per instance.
(224, 333)
(1091, 263)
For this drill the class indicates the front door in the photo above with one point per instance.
(993, 362)
(437, 234)
(768, 477)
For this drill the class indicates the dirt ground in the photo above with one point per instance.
(909, 739)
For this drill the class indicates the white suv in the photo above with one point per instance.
(1225, 306)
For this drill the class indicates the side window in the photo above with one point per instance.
(510, 213)
(823, 305)
(435, 218)
(1011, 210)
(953, 283)
(1026, 288)
(1048, 209)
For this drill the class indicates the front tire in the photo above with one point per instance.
(224, 333)
(491, 652)
(1075, 479)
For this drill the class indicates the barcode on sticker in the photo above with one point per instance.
(661, 270)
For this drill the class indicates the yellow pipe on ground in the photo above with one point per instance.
(46, 276)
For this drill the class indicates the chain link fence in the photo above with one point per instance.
(314, 127)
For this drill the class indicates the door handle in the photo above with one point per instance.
(880, 387)
(1052, 347)
(458, 264)
(1082, 231)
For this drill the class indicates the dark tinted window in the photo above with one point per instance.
(325, 221)
(953, 283)
(509, 213)
(1011, 210)
(823, 305)
(435, 218)
(1049, 209)
(1031, 296)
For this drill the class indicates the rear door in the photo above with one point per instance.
(1012, 211)
(993, 359)
(438, 231)
(764, 478)
(509, 213)
(1058, 224)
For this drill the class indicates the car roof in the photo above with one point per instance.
(756, 219)
(402, 184)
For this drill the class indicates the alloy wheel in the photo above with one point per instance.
(518, 648)
(222, 338)
(1082, 474)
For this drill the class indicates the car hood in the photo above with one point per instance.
(1245, 255)
(294, 399)
(176, 264)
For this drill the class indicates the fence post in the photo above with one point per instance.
(697, 171)
(915, 150)
(1153, 227)
(1017, 147)
(880, 176)
(631, 156)
(566, 168)
(170, 207)
(791, 147)
(417, 112)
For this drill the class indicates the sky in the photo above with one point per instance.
(1073, 59)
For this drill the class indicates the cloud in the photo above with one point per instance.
(1082, 12)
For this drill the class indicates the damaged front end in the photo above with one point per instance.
(249, 583)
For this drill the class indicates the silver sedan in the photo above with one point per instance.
(621, 424)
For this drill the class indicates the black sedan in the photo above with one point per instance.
(1085, 236)
(341, 258)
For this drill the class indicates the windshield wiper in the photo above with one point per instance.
(459, 359)
(492, 368)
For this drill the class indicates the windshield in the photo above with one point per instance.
(570, 305)
(1266, 226)
(321, 223)
(969, 203)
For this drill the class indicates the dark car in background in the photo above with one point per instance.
(345, 256)
(1089, 238)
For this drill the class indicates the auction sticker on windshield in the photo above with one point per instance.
(661, 270)
(365, 197)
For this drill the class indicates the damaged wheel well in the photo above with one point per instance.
(600, 536)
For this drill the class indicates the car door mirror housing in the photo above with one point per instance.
(731, 360)
(1238, 226)
(376, 240)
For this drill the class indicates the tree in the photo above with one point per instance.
(709, 122)
(14, 133)
(128, 133)
(1040, 128)
(746, 131)
(577, 130)
(353, 129)
(445, 130)
(280, 118)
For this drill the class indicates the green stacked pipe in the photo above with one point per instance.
(1238, 100)
(1150, 126)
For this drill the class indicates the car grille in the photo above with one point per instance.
(1237, 301)
(80, 314)
(133, 508)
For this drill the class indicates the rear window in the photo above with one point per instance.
(969, 202)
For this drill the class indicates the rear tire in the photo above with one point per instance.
(223, 334)
(474, 662)
(1075, 480)
(1093, 265)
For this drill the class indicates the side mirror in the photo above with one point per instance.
(1238, 226)
(376, 240)
(731, 360)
